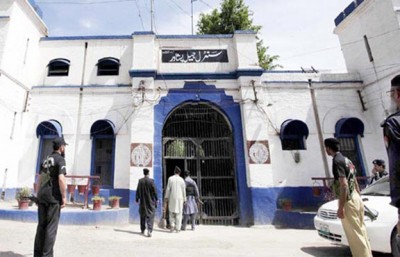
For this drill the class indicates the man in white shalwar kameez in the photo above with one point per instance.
(175, 196)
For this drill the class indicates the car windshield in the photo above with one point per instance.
(380, 187)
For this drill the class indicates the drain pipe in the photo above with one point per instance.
(78, 121)
(319, 128)
(3, 189)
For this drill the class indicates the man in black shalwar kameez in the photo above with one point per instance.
(146, 197)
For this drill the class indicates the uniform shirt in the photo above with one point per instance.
(339, 168)
(343, 167)
(56, 164)
(391, 132)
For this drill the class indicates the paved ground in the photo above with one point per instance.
(16, 240)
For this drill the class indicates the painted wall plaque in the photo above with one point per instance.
(141, 155)
(259, 152)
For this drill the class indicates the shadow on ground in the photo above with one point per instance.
(11, 254)
(335, 251)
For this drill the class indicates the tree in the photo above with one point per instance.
(235, 15)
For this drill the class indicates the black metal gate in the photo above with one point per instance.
(198, 138)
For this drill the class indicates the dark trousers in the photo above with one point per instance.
(46, 232)
(186, 218)
(146, 220)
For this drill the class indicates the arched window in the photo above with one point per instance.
(46, 131)
(102, 133)
(348, 131)
(108, 66)
(293, 135)
(58, 67)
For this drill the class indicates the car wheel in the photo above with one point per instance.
(395, 243)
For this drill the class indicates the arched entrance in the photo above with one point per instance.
(197, 137)
(46, 131)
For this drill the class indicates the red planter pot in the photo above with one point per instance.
(71, 188)
(97, 205)
(316, 191)
(95, 189)
(114, 203)
(81, 189)
(23, 204)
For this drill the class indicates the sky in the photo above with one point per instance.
(301, 32)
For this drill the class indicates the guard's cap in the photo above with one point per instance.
(378, 162)
(58, 142)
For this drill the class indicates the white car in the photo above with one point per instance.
(380, 218)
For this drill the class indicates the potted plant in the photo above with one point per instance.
(285, 204)
(71, 187)
(81, 189)
(114, 201)
(97, 202)
(22, 197)
(95, 187)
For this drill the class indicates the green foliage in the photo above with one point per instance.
(235, 15)
(97, 198)
(114, 197)
(23, 193)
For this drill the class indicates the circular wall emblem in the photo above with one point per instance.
(259, 153)
(141, 155)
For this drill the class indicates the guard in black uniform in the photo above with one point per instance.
(51, 198)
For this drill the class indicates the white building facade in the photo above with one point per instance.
(249, 137)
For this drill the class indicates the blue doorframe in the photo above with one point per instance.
(199, 91)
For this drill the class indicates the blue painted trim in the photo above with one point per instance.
(349, 126)
(83, 86)
(143, 73)
(4, 17)
(228, 107)
(347, 11)
(86, 37)
(283, 71)
(359, 155)
(68, 217)
(266, 203)
(210, 36)
(314, 82)
(247, 31)
(55, 124)
(143, 33)
(201, 76)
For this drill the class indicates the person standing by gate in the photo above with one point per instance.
(351, 208)
(391, 133)
(51, 198)
(175, 197)
(192, 197)
(146, 197)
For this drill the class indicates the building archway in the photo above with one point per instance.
(199, 92)
(46, 132)
(197, 137)
(102, 133)
(349, 132)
